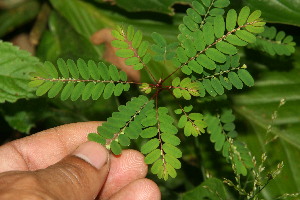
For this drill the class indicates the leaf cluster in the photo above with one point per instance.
(72, 80)
(124, 125)
(161, 150)
(222, 131)
(208, 48)
(192, 123)
(131, 47)
(275, 42)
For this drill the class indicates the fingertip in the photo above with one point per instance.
(124, 169)
(101, 36)
(93, 153)
(142, 189)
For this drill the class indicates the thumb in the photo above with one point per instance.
(80, 175)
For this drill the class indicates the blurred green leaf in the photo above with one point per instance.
(60, 42)
(15, 66)
(159, 6)
(212, 188)
(18, 15)
(277, 11)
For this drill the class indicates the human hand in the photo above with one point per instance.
(42, 166)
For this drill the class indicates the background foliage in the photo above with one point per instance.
(276, 78)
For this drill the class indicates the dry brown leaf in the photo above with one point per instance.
(104, 36)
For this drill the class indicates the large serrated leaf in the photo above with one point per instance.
(15, 67)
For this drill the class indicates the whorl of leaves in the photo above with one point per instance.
(72, 80)
(131, 46)
(161, 150)
(275, 43)
(124, 125)
(222, 130)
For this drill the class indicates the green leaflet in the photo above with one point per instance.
(67, 91)
(174, 162)
(125, 53)
(96, 138)
(206, 62)
(124, 140)
(221, 3)
(246, 36)
(115, 148)
(106, 80)
(208, 29)
(231, 19)
(83, 69)
(73, 69)
(153, 156)
(235, 80)
(149, 132)
(87, 92)
(77, 91)
(217, 86)
(226, 48)
(62, 66)
(194, 15)
(243, 15)
(199, 8)
(208, 87)
(254, 16)
(233, 39)
(150, 146)
(245, 76)
(215, 55)
(219, 26)
(50, 69)
(44, 88)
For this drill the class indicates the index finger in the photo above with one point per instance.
(44, 148)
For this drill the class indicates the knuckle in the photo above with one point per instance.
(75, 175)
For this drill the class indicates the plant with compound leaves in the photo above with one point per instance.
(206, 54)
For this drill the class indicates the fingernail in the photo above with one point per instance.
(93, 153)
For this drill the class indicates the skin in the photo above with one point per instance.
(42, 166)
